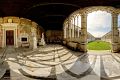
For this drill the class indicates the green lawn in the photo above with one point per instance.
(98, 45)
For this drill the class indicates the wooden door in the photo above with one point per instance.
(9, 37)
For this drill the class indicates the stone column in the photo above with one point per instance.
(3, 38)
(65, 31)
(69, 28)
(34, 35)
(73, 27)
(1, 34)
(16, 38)
(78, 27)
(83, 42)
(4, 41)
(78, 32)
(115, 33)
(34, 42)
(34, 39)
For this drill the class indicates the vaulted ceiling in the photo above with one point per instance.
(50, 14)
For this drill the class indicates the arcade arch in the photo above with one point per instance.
(81, 42)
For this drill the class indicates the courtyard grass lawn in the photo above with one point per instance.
(98, 45)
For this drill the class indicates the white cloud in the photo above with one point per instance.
(98, 34)
(99, 23)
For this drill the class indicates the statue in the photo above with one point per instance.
(42, 42)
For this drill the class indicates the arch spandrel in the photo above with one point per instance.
(118, 11)
(79, 11)
(64, 23)
(108, 9)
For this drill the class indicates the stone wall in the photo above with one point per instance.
(24, 29)
(54, 36)
(107, 37)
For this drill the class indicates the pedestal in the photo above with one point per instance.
(42, 42)
(115, 47)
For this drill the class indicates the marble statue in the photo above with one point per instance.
(42, 42)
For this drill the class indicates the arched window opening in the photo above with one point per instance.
(99, 30)
(119, 24)
(77, 25)
(119, 20)
(72, 27)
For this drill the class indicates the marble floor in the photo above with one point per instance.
(56, 62)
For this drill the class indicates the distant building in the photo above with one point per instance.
(90, 37)
(97, 38)
(107, 37)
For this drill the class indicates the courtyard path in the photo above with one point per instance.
(56, 62)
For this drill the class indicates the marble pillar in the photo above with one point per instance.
(16, 38)
(34, 42)
(78, 32)
(69, 28)
(73, 30)
(78, 27)
(115, 33)
(83, 43)
(34, 39)
(65, 31)
(3, 37)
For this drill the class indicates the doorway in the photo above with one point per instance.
(9, 37)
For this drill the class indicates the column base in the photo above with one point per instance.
(82, 47)
(115, 47)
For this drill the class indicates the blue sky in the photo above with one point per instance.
(119, 20)
(99, 23)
